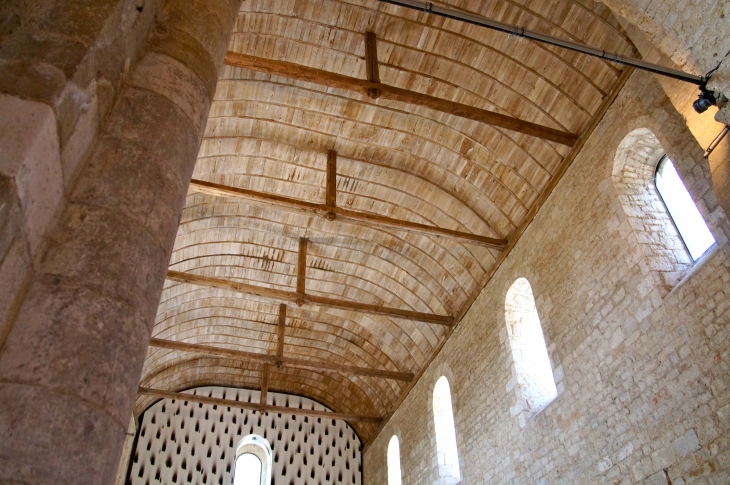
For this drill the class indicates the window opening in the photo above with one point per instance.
(252, 465)
(529, 352)
(684, 213)
(443, 416)
(394, 474)
(248, 470)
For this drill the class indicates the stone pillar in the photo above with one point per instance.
(75, 345)
(127, 451)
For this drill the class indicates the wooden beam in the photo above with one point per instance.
(349, 216)
(331, 183)
(281, 330)
(371, 63)
(354, 418)
(362, 86)
(302, 266)
(302, 298)
(264, 384)
(239, 355)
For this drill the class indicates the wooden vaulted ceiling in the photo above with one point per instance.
(270, 135)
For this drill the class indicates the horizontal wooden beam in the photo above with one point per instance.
(302, 298)
(345, 215)
(366, 88)
(241, 355)
(263, 408)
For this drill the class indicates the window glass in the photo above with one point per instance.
(394, 475)
(248, 470)
(690, 224)
(443, 417)
(529, 352)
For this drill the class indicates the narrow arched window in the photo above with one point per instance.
(253, 461)
(394, 475)
(687, 219)
(529, 353)
(443, 417)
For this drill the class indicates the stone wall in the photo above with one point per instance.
(643, 370)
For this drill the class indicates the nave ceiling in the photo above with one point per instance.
(273, 134)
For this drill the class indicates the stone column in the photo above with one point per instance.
(72, 358)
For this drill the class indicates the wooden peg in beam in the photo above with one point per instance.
(371, 63)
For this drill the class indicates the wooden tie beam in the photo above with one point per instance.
(264, 384)
(263, 408)
(351, 217)
(320, 366)
(371, 63)
(302, 298)
(366, 88)
(281, 329)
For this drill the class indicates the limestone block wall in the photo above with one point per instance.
(183, 442)
(642, 370)
(61, 64)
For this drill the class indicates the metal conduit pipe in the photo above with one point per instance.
(716, 141)
(429, 7)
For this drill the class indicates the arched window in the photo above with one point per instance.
(394, 475)
(654, 239)
(443, 417)
(253, 461)
(682, 209)
(529, 353)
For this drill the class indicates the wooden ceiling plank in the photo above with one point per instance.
(345, 215)
(303, 298)
(362, 86)
(240, 355)
(354, 418)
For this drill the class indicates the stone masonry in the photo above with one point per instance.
(642, 374)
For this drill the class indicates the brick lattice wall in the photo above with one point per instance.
(644, 373)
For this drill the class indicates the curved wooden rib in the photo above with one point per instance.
(334, 80)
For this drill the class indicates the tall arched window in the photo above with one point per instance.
(654, 239)
(443, 417)
(529, 353)
(682, 209)
(394, 475)
(253, 461)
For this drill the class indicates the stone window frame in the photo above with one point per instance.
(449, 472)
(521, 410)
(259, 447)
(661, 247)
